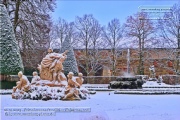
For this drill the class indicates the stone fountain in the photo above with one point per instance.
(127, 81)
(52, 83)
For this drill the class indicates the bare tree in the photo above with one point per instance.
(169, 28)
(140, 28)
(95, 45)
(73, 35)
(61, 28)
(89, 33)
(31, 22)
(113, 35)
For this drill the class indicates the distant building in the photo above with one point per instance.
(164, 60)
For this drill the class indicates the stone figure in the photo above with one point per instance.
(35, 78)
(62, 79)
(57, 70)
(23, 84)
(160, 80)
(51, 65)
(152, 71)
(71, 92)
(83, 93)
(37, 81)
(80, 79)
(52, 83)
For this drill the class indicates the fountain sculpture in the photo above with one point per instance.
(52, 83)
(152, 73)
(128, 81)
(154, 84)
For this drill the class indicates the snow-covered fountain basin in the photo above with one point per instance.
(142, 85)
(126, 82)
(157, 86)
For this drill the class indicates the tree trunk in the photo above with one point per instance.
(16, 15)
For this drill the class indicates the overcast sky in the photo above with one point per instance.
(103, 10)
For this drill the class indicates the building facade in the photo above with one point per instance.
(164, 60)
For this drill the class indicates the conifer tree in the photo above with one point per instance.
(70, 64)
(10, 58)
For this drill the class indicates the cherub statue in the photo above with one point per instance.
(62, 79)
(35, 78)
(70, 91)
(83, 92)
(80, 79)
(160, 79)
(23, 84)
(152, 71)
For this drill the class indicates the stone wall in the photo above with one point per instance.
(171, 79)
(99, 79)
(168, 79)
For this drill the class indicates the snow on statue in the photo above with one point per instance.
(23, 84)
(52, 83)
(152, 71)
(51, 65)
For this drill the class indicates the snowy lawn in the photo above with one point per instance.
(103, 107)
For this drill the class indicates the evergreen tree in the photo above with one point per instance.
(10, 58)
(70, 64)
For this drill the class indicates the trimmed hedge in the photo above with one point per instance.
(7, 84)
(29, 71)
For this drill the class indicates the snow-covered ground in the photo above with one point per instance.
(102, 105)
